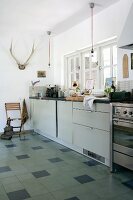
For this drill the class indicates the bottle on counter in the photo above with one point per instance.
(59, 92)
(113, 88)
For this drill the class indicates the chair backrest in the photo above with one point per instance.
(12, 107)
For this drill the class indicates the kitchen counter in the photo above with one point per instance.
(49, 98)
(98, 100)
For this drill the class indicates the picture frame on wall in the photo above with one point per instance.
(108, 82)
(131, 60)
(41, 74)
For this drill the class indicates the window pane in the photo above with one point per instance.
(72, 78)
(115, 71)
(77, 76)
(94, 64)
(106, 57)
(114, 55)
(107, 72)
(94, 60)
(94, 77)
(77, 64)
(87, 60)
(87, 76)
(94, 57)
(72, 65)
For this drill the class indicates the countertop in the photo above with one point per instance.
(98, 100)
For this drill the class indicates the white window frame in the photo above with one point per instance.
(80, 53)
(109, 66)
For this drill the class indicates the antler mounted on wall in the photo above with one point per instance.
(20, 65)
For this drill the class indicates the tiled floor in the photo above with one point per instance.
(40, 169)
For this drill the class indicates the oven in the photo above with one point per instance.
(122, 135)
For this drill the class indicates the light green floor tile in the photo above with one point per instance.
(9, 180)
(74, 191)
(106, 188)
(125, 196)
(36, 189)
(52, 183)
(89, 196)
(2, 190)
(25, 176)
(6, 174)
(13, 187)
(43, 197)
(3, 197)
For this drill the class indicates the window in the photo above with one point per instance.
(82, 66)
(109, 63)
(90, 68)
(73, 65)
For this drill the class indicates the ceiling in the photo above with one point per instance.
(43, 15)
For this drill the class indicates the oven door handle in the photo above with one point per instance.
(123, 123)
(122, 120)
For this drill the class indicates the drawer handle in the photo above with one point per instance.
(91, 128)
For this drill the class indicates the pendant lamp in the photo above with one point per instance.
(92, 7)
(49, 49)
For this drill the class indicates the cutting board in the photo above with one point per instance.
(125, 66)
(77, 98)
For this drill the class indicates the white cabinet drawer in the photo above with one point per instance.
(99, 107)
(92, 119)
(96, 141)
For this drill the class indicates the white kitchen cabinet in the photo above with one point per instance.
(45, 117)
(92, 140)
(64, 113)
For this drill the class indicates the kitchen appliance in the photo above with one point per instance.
(120, 96)
(122, 135)
(52, 91)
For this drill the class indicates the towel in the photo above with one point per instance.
(24, 115)
(88, 102)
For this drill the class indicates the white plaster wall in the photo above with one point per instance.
(107, 23)
(121, 52)
(14, 83)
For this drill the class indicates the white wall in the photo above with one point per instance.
(107, 23)
(121, 52)
(14, 83)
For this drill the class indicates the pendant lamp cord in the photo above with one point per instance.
(49, 52)
(92, 28)
(49, 48)
(92, 6)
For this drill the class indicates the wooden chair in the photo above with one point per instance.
(13, 111)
